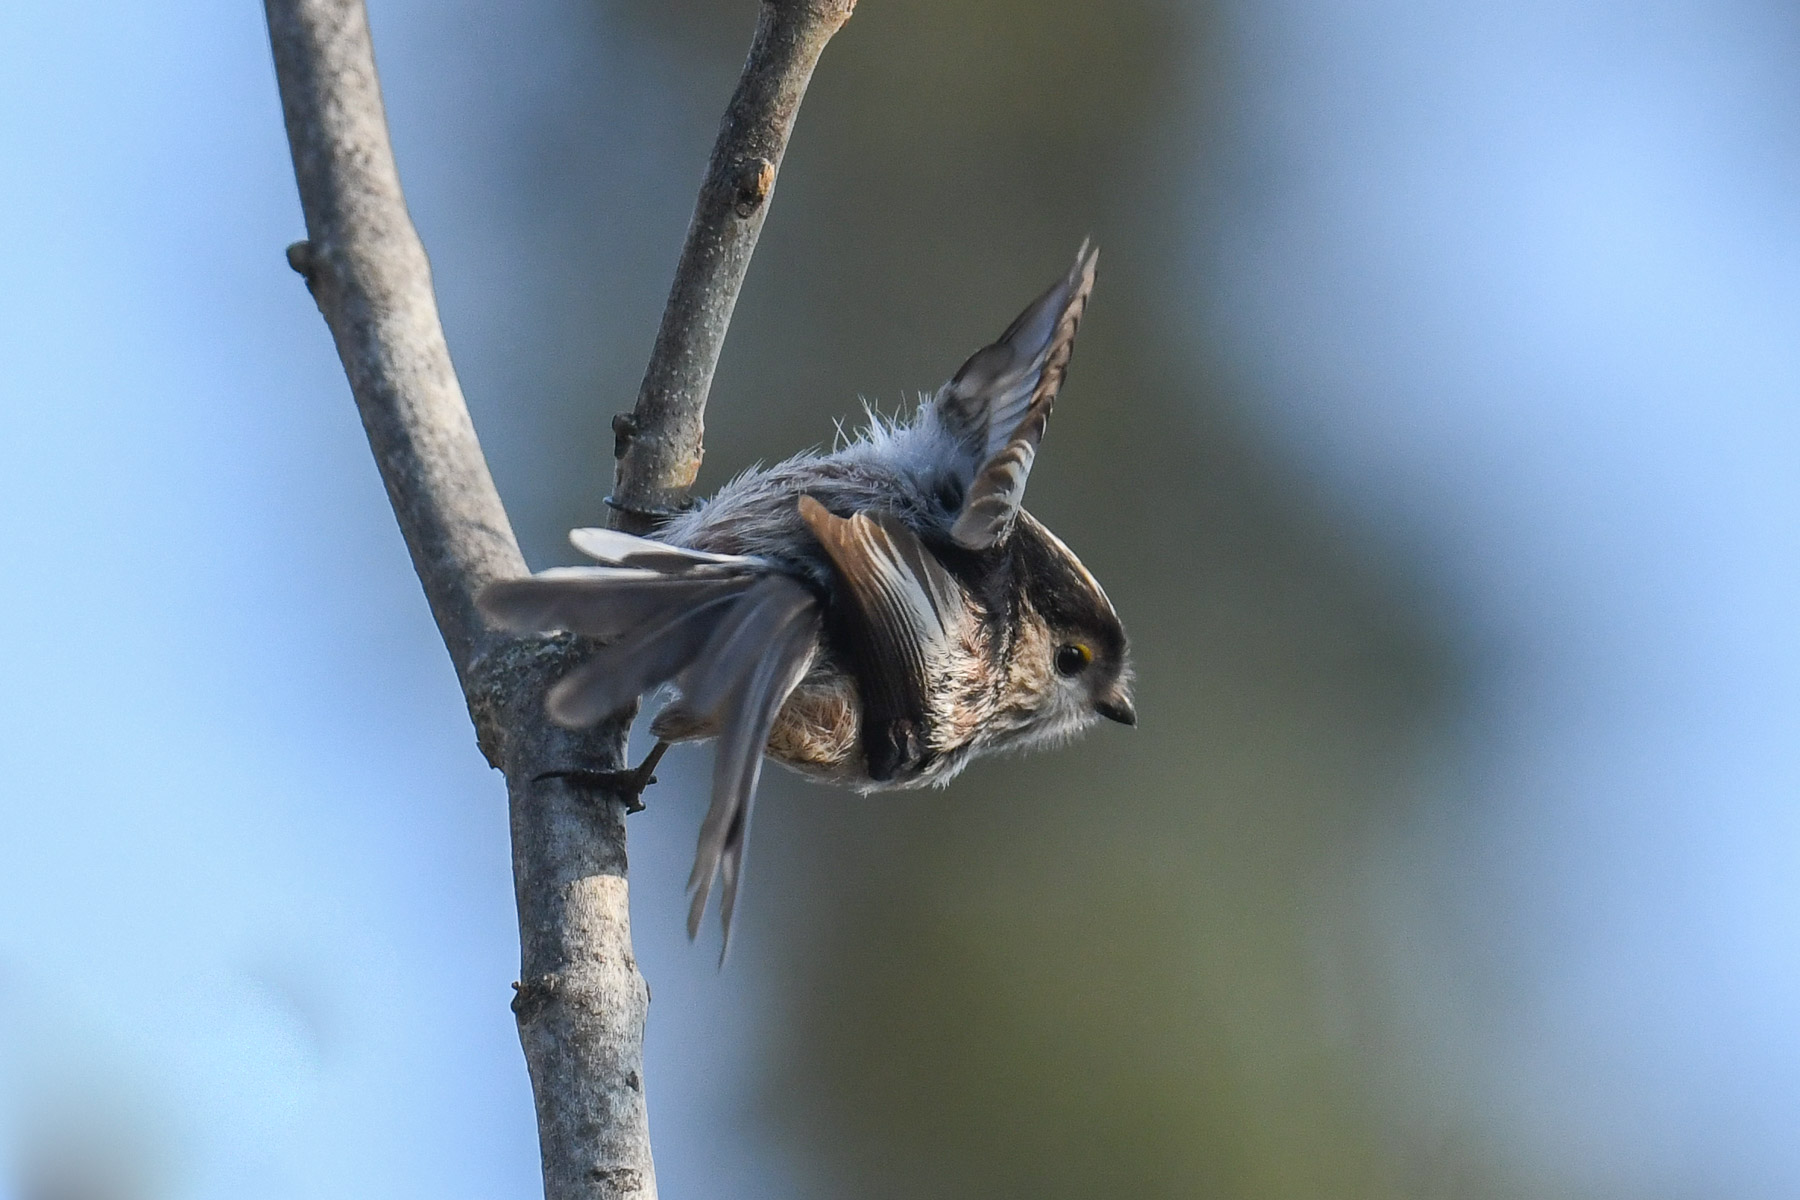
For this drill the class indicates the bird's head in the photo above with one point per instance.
(1070, 656)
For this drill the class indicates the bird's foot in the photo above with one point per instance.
(627, 785)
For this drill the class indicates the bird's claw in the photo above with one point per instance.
(627, 785)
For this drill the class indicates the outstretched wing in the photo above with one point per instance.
(908, 613)
(998, 404)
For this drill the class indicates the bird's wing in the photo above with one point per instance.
(909, 611)
(999, 402)
(740, 679)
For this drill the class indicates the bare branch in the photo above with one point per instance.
(580, 1002)
(659, 443)
(367, 270)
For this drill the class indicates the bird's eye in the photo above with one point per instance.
(1072, 658)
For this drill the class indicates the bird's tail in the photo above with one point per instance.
(733, 634)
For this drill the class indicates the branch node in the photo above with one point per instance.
(531, 997)
(505, 687)
(624, 427)
(300, 258)
(618, 1181)
(755, 178)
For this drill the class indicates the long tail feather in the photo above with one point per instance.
(790, 615)
(604, 602)
(625, 670)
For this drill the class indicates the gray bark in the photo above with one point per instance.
(580, 1002)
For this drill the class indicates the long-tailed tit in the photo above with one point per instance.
(876, 616)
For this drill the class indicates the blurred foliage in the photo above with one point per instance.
(1142, 965)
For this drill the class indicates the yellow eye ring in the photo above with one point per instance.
(1072, 658)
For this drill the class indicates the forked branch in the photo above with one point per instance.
(581, 1002)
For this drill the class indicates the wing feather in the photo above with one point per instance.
(908, 612)
(998, 405)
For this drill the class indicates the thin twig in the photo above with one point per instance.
(581, 1002)
(658, 443)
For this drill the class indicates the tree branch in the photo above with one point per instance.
(658, 444)
(580, 1002)
(367, 270)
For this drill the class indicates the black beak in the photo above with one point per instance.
(1117, 708)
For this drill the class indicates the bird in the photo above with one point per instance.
(876, 616)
